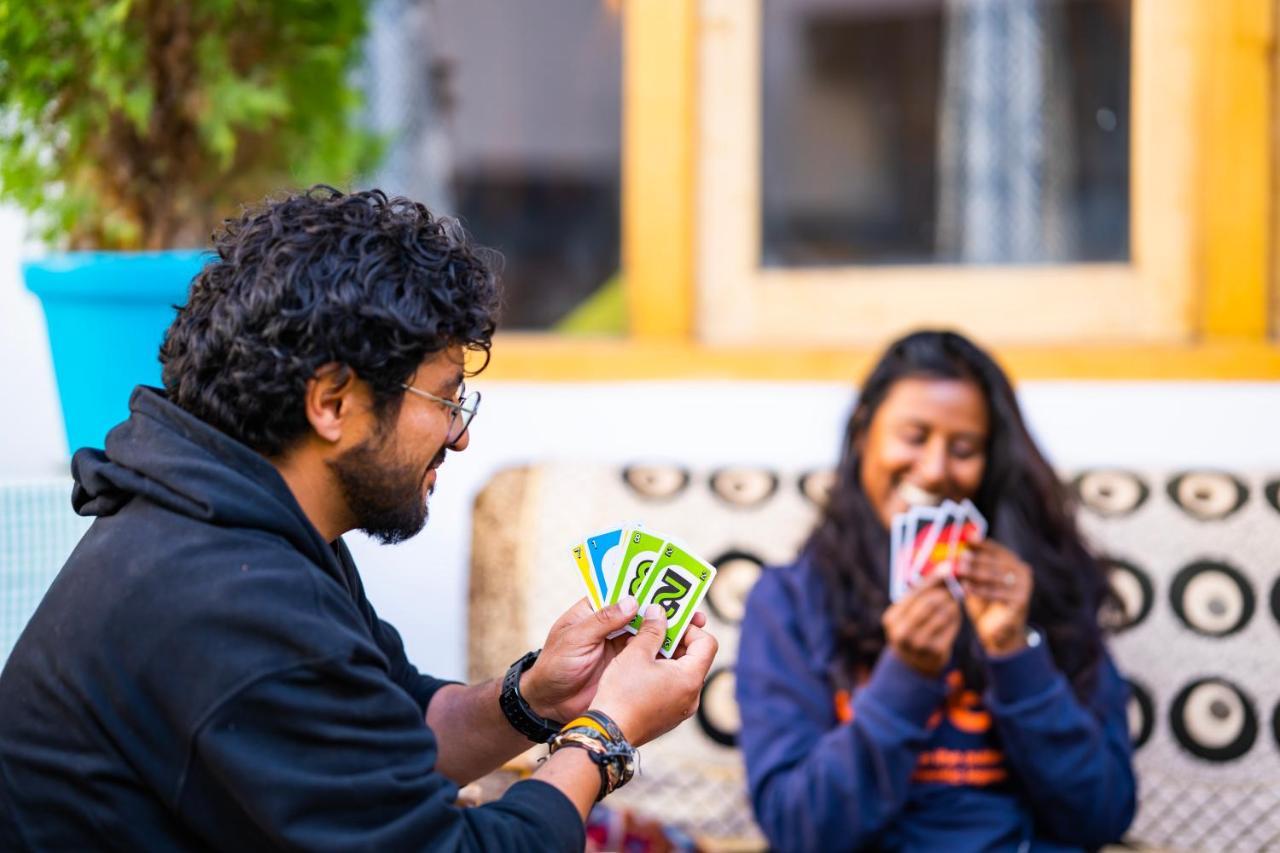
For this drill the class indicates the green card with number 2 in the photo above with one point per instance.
(677, 582)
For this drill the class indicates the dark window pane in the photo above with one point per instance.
(509, 115)
(945, 131)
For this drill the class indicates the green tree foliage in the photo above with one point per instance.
(140, 124)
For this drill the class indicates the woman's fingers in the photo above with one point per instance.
(997, 575)
(990, 593)
(1002, 582)
(923, 626)
(921, 605)
(940, 622)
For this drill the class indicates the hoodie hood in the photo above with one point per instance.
(173, 459)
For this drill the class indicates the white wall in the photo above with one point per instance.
(32, 438)
(420, 586)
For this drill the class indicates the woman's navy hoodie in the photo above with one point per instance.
(908, 762)
(206, 672)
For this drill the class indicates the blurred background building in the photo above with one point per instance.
(715, 212)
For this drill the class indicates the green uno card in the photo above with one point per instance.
(677, 582)
(641, 549)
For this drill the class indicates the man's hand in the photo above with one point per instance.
(647, 695)
(921, 627)
(561, 685)
(997, 585)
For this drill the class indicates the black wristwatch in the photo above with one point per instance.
(518, 713)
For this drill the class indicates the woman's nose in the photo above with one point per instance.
(931, 467)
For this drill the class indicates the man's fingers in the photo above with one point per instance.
(580, 610)
(603, 622)
(694, 629)
(699, 651)
(651, 634)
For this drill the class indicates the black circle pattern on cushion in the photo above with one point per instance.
(1111, 492)
(718, 708)
(736, 573)
(1207, 495)
(1272, 491)
(1134, 595)
(655, 482)
(1275, 600)
(1275, 723)
(1213, 719)
(816, 486)
(1142, 715)
(1212, 598)
(744, 487)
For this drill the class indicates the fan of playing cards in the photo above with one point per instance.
(648, 566)
(930, 539)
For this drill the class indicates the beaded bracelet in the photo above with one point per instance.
(600, 737)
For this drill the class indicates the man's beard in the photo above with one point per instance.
(384, 495)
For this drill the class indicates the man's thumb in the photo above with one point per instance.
(654, 630)
(606, 620)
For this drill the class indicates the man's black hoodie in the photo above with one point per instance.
(206, 672)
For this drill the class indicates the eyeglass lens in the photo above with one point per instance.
(468, 404)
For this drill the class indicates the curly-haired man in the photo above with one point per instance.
(206, 672)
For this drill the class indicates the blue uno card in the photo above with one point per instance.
(605, 550)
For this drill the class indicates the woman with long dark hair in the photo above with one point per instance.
(993, 722)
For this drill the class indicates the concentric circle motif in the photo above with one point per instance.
(1134, 591)
(655, 482)
(1111, 493)
(744, 487)
(1275, 600)
(1275, 723)
(1213, 719)
(1272, 492)
(718, 710)
(736, 573)
(816, 486)
(1207, 495)
(1142, 715)
(1212, 598)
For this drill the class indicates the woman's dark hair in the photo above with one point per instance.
(1020, 495)
(373, 284)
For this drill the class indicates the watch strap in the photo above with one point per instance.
(517, 711)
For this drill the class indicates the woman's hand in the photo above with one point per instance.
(997, 585)
(921, 627)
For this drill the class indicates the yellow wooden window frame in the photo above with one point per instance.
(1216, 326)
(1147, 299)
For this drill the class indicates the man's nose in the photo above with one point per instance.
(460, 443)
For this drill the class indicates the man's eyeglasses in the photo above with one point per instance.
(461, 410)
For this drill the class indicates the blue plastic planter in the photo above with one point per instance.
(107, 313)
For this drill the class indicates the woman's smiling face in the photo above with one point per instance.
(926, 442)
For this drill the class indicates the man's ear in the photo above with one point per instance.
(332, 398)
